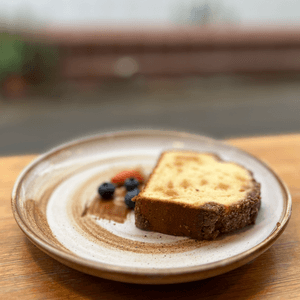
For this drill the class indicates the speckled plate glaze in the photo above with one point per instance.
(55, 203)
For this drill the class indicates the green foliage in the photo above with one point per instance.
(11, 54)
(35, 61)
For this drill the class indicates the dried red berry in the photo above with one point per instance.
(123, 175)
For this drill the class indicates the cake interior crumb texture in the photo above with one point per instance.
(197, 178)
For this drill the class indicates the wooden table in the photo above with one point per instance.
(28, 273)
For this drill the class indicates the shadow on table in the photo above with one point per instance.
(60, 281)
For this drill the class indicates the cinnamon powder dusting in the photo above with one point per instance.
(114, 210)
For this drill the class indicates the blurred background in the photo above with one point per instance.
(221, 68)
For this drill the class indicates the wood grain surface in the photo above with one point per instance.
(28, 273)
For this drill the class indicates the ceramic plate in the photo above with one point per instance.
(56, 205)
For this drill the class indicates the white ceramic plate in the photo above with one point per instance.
(54, 202)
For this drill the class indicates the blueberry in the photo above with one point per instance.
(131, 184)
(129, 196)
(106, 190)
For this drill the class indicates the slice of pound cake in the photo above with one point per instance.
(197, 195)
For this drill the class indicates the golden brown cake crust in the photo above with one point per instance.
(206, 221)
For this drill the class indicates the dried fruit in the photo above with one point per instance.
(120, 178)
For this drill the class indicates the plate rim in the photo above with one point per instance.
(146, 274)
